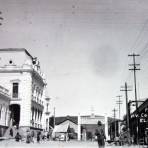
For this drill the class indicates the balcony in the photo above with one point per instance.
(47, 113)
(4, 91)
(37, 100)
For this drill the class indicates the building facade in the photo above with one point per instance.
(20, 73)
(138, 121)
(89, 125)
(83, 126)
(4, 110)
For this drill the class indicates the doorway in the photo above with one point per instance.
(15, 114)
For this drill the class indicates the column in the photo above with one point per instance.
(79, 127)
(106, 127)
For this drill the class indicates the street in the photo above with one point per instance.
(57, 144)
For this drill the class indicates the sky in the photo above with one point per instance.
(83, 48)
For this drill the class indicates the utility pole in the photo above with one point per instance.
(114, 111)
(54, 116)
(134, 69)
(125, 88)
(119, 102)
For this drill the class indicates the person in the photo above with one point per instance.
(32, 136)
(11, 132)
(100, 135)
(28, 138)
(17, 137)
(38, 137)
(48, 136)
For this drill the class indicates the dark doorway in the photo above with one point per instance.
(15, 114)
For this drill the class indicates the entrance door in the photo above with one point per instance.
(15, 114)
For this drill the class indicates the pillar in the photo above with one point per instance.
(106, 127)
(79, 127)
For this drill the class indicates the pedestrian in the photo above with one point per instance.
(11, 132)
(32, 136)
(38, 137)
(17, 137)
(100, 135)
(48, 136)
(28, 138)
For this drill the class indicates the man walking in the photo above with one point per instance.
(100, 135)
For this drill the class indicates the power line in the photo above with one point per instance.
(139, 35)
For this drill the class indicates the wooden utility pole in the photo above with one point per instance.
(134, 69)
(54, 116)
(114, 111)
(119, 102)
(125, 88)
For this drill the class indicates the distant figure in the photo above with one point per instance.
(28, 138)
(100, 135)
(11, 132)
(17, 137)
(38, 137)
(48, 136)
(32, 136)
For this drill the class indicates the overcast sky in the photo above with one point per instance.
(83, 48)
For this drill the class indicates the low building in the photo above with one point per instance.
(89, 126)
(139, 118)
(84, 127)
(4, 110)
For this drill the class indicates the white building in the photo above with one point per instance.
(20, 73)
(4, 110)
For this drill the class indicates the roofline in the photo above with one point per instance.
(68, 120)
(91, 116)
(17, 49)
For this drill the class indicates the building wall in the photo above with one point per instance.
(4, 110)
(17, 67)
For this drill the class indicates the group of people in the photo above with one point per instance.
(30, 137)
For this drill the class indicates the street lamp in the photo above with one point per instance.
(47, 104)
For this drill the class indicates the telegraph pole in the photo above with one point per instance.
(54, 116)
(119, 102)
(114, 111)
(125, 88)
(134, 69)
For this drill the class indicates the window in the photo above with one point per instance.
(15, 90)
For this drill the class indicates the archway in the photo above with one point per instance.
(15, 114)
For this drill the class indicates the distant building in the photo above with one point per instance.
(84, 127)
(89, 125)
(4, 110)
(139, 118)
(20, 73)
